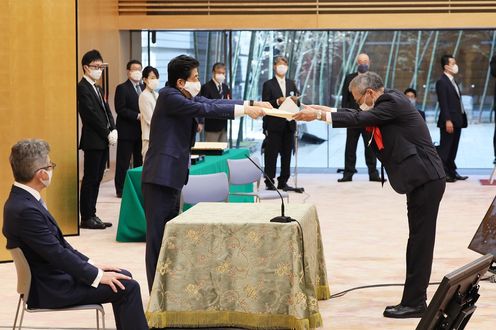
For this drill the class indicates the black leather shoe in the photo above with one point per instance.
(346, 178)
(460, 177)
(494, 161)
(285, 187)
(376, 178)
(107, 224)
(405, 312)
(450, 179)
(270, 187)
(119, 195)
(92, 223)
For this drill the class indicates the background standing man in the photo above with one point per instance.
(452, 117)
(128, 124)
(279, 132)
(353, 133)
(216, 129)
(97, 133)
(401, 141)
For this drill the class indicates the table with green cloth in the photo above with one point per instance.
(132, 222)
(227, 265)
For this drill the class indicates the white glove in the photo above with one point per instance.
(112, 137)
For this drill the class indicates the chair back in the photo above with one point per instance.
(242, 171)
(206, 188)
(23, 273)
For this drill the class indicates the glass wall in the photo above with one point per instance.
(319, 61)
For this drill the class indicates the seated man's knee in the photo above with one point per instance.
(126, 272)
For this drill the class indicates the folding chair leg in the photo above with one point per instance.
(22, 315)
(97, 320)
(103, 319)
(17, 313)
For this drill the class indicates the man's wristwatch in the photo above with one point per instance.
(319, 115)
(252, 103)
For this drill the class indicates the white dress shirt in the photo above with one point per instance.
(282, 85)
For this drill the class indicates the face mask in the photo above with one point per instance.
(136, 75)
(46, 183)
(454, 69)
(362, 68)
(412, 101)
(193, 87)
(153, 84)
(281, 69)
(220, 78)
(366, 107)
(96, 74)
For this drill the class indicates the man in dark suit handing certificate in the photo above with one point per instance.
(400, 139)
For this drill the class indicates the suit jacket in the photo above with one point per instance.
(60, 274)
(127, 109)
(210, 91)
(172, 134)
(449, 104)
(347, 100)
(96, 118)
(409, 156)
(270, 93)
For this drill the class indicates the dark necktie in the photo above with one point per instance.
(103, 105)
(138, 89)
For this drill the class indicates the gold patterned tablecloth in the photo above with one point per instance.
(226, 265)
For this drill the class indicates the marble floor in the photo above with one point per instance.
(364, 234)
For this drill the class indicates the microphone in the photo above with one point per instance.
(282, 218)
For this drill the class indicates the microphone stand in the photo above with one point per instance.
(281, 218)
(297, 189)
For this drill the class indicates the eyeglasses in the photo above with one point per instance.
(96, 67)
(52, 166)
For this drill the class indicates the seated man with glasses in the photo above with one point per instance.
(61, 276)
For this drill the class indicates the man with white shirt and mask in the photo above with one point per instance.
(216, 88)
(97, 133)
(279, 132)
(452, 117)
(128, 124)
(61, 276)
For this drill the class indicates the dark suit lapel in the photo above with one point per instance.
(451, 85)
(96, 98)
(276, 86)
(288, 91)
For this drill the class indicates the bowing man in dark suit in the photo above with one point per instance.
(128, 124)
(279, 132)
(61, 276)
(172, 134)
(216, 129)
(400, 139)
(97, 133)
(452, 117)
(353, 133)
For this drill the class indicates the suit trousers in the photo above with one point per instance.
(161, 204)
(448, 147)
(127, 304)
(352, 137)
(95, 162)
(278, 143)
(423, 205)
(126, 148)
(220, 136)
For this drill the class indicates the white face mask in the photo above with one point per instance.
(153, 84)
(193, 87)
(366, 107)
(96, 74)
(281, 69)
(47, 182)
(454, 69)
(220, 78)
(136, 75)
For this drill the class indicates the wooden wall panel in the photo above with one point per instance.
(38, 96)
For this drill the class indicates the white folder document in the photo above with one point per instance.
(286, 110)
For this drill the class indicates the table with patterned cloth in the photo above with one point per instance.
(132, 222)
(227, 265)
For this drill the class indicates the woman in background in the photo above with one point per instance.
(147, 101)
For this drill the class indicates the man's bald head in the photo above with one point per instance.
(362, 59)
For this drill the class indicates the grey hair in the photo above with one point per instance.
(368, 80)
(27, 156)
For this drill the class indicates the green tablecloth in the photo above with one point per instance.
(132, 222)
(226, 265)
